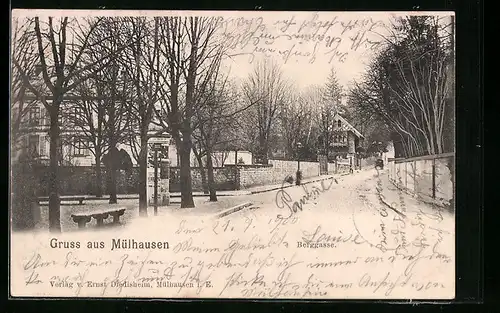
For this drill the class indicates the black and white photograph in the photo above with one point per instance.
(232, 154)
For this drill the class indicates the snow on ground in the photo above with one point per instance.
(330, 239)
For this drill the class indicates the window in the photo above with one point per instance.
(339, 123)
(44, 118)
(44, 141)
(34, 144)
(34, 116)
(80, 147)
(77, 115)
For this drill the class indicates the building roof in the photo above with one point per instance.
(348, 125)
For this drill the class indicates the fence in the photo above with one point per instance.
(81, 180)
(429, 177)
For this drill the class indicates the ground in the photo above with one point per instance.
(347, 196)
(342, 237)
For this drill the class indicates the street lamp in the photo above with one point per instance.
(298, 174)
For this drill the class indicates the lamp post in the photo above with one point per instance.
(298, 174)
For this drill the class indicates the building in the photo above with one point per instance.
(75, 151)
(344, 139)
(74, 148)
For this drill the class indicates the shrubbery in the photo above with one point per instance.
(24, 192)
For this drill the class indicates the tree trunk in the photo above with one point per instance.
(210, 173)
(185, 173)
(263, 149)
(98, 174)
(202, 173)
(54, 205)
(112, 175)
(113, 155)
(143, 175)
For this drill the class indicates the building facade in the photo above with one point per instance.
(345, 138)
(75, 151)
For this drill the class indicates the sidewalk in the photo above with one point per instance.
(305, 181)
(256, 189)
(224, 193)
(234, 201)
(230, 202)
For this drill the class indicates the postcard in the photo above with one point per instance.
(232, 154)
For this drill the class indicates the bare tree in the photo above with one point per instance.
(370, 125)
(116, 106)
(85, 117)
(24, 53)
(60, 46)
(98, 114)
(296, 120)
(143, 66)
(268, 89)
(98, 121)
(192, 52)
(407, 85)
(215, 121)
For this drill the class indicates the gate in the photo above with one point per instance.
(323, 164)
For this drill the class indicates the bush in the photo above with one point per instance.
(24, 193)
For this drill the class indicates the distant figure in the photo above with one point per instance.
(351, 171)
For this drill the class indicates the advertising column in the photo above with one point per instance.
(158, 146)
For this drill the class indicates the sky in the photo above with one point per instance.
(307, 45)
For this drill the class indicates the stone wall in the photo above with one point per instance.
(308, 169)
(274, 173)
(225, 178)
(80, 180)
(429, 177)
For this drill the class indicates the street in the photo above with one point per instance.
(354, 198)
(363, 208)
(339, 197)
(336, 238)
